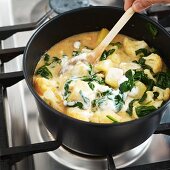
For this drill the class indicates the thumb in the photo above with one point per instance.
(140, 5)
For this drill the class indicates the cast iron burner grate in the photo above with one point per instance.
(10, 155)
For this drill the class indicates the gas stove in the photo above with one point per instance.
(22, 132)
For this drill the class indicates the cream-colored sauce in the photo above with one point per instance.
(77, 97)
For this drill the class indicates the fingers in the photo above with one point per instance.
(128, 4)
(140, 5)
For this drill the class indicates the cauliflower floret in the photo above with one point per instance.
(149, 99)
(137, 91)
(148, 73)
(104, 65)
(42, 84)
(131, 46)
(113, 76)
(163, 94)
(128, 66)
(154, 61)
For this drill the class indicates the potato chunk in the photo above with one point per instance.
(41, 84)
(103, 65)
(113, 76)
(102, 34)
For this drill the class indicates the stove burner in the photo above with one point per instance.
(60, 6)
(74, 160)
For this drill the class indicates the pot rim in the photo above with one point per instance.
(136, 121)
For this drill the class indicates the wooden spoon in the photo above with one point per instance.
(97, 52)
(94, 55)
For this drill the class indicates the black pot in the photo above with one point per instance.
(85, 137)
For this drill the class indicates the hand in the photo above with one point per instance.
(139, 5)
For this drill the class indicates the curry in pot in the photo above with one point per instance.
(129, 81)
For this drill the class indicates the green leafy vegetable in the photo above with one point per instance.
(98, 102)
(75, 53)
(85, 99)
(75, 104)
(156, 94)
(141, 62)
(46, 58)
(66, 88)
(152, 30)
(43, 71)
(130, 108)
(143, 97)
(163, 80)
(105, 54)
(142, 51)
(144, 110)
(129, 84)
(93, 77)
(112, 119)
(119, 102)
(106, 93)
(56, 59)
(141, 76)
(118, 44)
(91, 85)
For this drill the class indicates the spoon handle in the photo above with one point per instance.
(114, 31)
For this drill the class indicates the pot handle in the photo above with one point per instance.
(16, 154)
(163, 128)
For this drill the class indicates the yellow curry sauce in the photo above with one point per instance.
(128, 81)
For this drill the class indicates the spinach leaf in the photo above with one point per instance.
(141, 62)
(142, 51)
(143, 97)
(118, 44)
(46, 58)
(56, 59)
(129, 84)
(43, 71)
(130, 108)
(112, 119)
(125, 86)
(93, 77)
(163, 80)
(75, 53)
(85, 99)
(91, 85)
(106, 93)
(75, 104)
(141, 76)
(105, 54)
(90, 69)
(156, 94)
(144, 110)
(119, 102)
(152, 30)
(66, 88)
(98, 102)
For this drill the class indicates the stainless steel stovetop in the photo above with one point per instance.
(23, 122)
